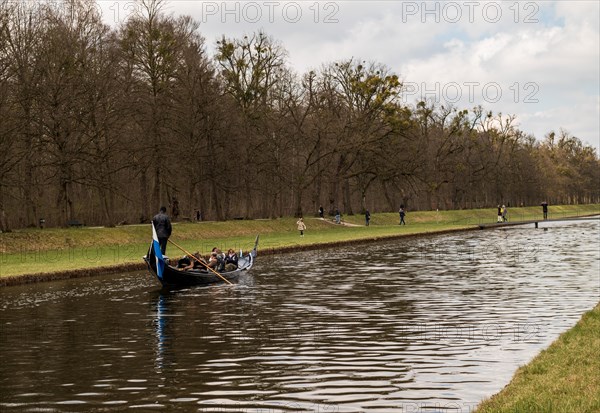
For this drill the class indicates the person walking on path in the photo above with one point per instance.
(545, 209)
(504, 214)
(402, 213)
(499, 213)
(301, 226)
(367, 217)
(338, 216)
(162, 224)
(321, 212)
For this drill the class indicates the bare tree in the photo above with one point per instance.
(250, 68)
(22, 33)
(68, 98)
(153, 45)
(370, 96)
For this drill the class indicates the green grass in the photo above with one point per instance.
(565, 378)
(32, 251)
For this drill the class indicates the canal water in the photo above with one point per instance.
(430, 324)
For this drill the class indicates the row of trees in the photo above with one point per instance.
(105, 125)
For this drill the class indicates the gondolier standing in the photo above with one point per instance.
(162, 224)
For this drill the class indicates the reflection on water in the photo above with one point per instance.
(161, 324)
(432, 324)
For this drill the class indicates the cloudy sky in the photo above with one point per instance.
(539, 60)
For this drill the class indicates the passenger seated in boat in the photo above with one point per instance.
(191, 263)
(220, 259)
(231, 261)
(213, 261)
(183, 261)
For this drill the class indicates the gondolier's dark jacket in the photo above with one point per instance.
(162, 223)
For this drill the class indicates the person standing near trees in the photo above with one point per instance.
(504, 214)
(402, 213)
(175, 208)
(367, 217)
(499, 213)
(162, 225)
(301, 226)
(545, 209)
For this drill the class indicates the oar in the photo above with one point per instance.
(207, 267)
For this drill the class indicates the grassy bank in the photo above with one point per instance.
(52, 250)
(562, 379)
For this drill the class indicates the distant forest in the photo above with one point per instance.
(104, 125)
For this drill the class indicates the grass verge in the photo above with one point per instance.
(564, 378)
(54, 250)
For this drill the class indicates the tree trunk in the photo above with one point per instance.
(64, 201)
(274, 206)
(156, 193)
(226, 208)
(316, 199)
(334, 188)
(3, 221)
(388, 198)
(281, 202)
(145, 215)
(107, 202)
(363, 202)
(248, 198)
(347, 200)
(30, 207)
(215, 198)
(298, 202)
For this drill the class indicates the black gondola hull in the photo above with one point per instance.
(173, 277)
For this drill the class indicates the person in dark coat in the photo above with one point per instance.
(231, 260)
(402, 213)
(367, 217)
(175, 209)
(545, 209)
(162, 224)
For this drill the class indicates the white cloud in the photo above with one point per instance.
(578, 119)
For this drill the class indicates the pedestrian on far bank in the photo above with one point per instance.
(545, 209)
(367, 217)
(338, 216)
(301, 226)
(162, 224)
(321, 212)
(499, 213)
(504, 214)
(402, 213)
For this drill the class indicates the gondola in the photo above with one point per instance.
(173, 277)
